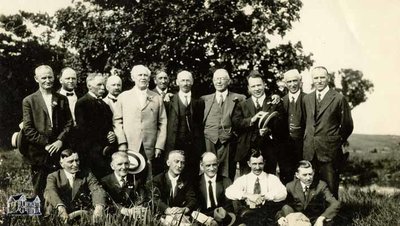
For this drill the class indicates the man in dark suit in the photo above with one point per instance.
(218, 124)
(328, 125)
(161, 79)
(211, 194)
(174, 194)
(185, 130)
(94, 120)
(124, 190)
(292, 103)
(70, 189)
(310, 197)
(68, 80)
(245, 121)
(47, 123)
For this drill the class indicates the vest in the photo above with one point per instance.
(294, 120)
(184, 117)
(213, 129)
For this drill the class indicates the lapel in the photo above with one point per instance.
(266, 106)
(115, 182)
(328, 98)
(208, 104)
(40, 100)
(203, 187)
(313, 103)
(285, 101)
(298, 189)
(77, 184)
(149, 97)
(174, 103)
(219, 187)
(229, 104)
(311, 193)
(250, 106)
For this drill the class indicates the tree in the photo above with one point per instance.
(179, 34)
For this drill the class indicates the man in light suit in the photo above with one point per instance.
(185, 129)
(174, 194)
(47, 123)
(69, 189)
(211, 194)
(328, 125)
(140, 120)
(94, 125)
(114, 88)
(217, 121)
(293, 105)
(245, 121)
(310, 197)
(68, 80)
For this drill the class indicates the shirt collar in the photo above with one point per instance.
(252, 175)
(303, 186)
(69, 175)
(173, 179)
(224, 94)
(64, 92)
(142, 92)
(323, 92)
(160, 91)
(118, 178)
(213, 179)
(111, 96)
(45, 94)
(182, 94)
(295, 95)
(260, 99)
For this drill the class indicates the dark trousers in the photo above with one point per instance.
(39, 175)
(221, 150)
(289, 155)
(192, 159)
(265, 215)
(327, 172)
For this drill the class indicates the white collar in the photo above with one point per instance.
(119, 178)
(64, 92)
(111, 96)
(140, 91)
(182, 94)
(213, 179)
(224, 94)
(295, 95)
(260, 99)
(252, 175)
(69, 175)
(303, 186)
(323, 92)
(173, 179)
(160, 91)
(45, 94)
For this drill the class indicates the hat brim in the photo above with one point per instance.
(263, 123)
(137, 163)
(15, 140)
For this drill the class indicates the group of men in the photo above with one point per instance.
(91, 137)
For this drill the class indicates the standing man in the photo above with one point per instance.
(68, 81)
(246, 118)
(95, 127)
(292, 103)
(47, 123)
(328, 125)
(261, 193)
(217, 121)
(140, 120)
(162, 81)
(114, 88)
(310, 197)
(185, 130)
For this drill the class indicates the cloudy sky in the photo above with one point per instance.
(357, 34)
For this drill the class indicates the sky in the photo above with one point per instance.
(357, 34)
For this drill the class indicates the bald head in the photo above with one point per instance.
(114, 85)
(68, 79)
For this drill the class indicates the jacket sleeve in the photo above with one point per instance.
(239, 122)
(346, 125)
(50, 193)
(161, 125)
(68, 119)
(96, 190)
(334, 205)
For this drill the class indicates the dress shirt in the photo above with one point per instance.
(71, 101)
(142, 95)
(161, 91)
(174, 181)
(260, 100)
(70, 177)
(295, 95)
(323, 92)
(218, 96)
(47, 100)
(271, 187)
(182, 96)
(119, 179)
(214, 187)
(303, 186)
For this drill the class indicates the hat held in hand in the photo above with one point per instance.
(136, 162)
(223, 217)
(266, 118)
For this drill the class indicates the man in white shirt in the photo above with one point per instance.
(114, 88)
(68, 81)
(261, 193)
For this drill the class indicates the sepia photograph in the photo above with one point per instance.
(199, 112)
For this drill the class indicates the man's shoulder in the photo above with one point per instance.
(239, 96)
(207, 97)
(31, 96)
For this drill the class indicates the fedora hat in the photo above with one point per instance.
(224, 217)
(265, 119)
(136, 162)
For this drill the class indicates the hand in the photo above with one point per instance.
(282, 221)
(111, 137)
(98, 213)
(157, 153)
(319, 221)
(62, 213)
(123, 147)
(255, 198)
(54, 147)
(276, 99)
(264, 131)
(256, 117)
(211, 222)
(167, 97)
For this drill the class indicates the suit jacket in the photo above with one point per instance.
(38, 131)
(195, 123)
(221, 184)
(131, 194)
(85, 192)
(286, 102)
(319, 200)
(93, 122)
(326, 132)
(229, 104)
(248, 134)
(185, 196)
(136, 125)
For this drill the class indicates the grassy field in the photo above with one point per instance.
(374, 160)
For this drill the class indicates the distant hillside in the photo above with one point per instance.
(370, 142)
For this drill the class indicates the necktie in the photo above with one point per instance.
(292, 103)
(69, 94)
(221, 100)
(163, 94)
(123, 182)
(211, 194)
(257, 186)
(306, 189)
(186, 102)
(71, 181)
(319, 97)
(113, 99)
(258, 107)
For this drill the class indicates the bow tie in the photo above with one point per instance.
(69, 94)
(113, 99)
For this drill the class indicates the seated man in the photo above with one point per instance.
(175, 194)
(69, 189)
(312, 198)
(124, 190)
(262, 193)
